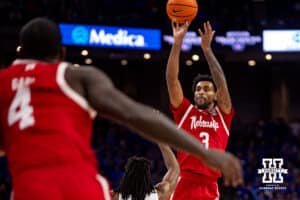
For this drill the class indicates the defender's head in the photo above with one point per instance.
(40, 39)
(136, 181)
(204, 90)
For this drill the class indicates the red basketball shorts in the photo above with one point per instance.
(191, 187)
(60, 183)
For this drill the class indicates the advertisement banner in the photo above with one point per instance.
(110, 37)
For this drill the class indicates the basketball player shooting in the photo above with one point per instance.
(208, 120)
(46, 116)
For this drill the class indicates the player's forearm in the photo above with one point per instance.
(169, 157)
(215, 68)
(172, 71)
(159, 128)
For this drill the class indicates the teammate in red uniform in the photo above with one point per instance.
(46, 112)
(208, 120)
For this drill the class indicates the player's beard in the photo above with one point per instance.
(203, 106)
(202, 102)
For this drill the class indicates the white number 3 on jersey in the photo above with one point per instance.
(20, 109)
(205, 139)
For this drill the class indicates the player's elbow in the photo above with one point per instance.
(174, 176)
(142, 118)
(176, 172)
(129, 117)
(136, 113)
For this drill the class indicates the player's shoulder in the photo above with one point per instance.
(223, 113)
(90, 73)
(87, 75)
(2, 71)
(82, 70)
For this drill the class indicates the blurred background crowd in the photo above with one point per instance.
(252, 15)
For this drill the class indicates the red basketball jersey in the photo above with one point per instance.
(210, 128)
(44, 122)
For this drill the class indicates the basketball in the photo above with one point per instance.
(181, 11)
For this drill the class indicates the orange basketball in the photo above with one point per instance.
(182, 10)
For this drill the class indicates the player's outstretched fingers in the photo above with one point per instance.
(232, 172)
(205, 27)
(209, 28)
(233, 175)
(200, 32)
(239, 173)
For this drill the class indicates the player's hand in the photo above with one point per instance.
(179, 31)
(206, 36)
(229, 165)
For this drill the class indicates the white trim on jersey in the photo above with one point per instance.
(185, 115)
(105, 187)
(24, 61)
(222, 120)
(172, 195)
(218, 193)
(151, 196)
(69, 92)
(12, 195)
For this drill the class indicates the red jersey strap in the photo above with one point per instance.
(25, 61)
(181, 111)
(225, 118)
(185, 115)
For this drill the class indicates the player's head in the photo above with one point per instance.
(40, 39)
(136, 181)
(204, 90)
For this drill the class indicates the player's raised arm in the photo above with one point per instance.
(167, 186)
(172, 71)
(113, 104)
(223, 96)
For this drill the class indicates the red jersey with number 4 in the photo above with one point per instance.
(210, 128)
(44, 122)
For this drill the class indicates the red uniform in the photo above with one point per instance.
(47, 130)
(197, 181)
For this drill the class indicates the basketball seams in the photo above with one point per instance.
(178, 4)
(182, 15)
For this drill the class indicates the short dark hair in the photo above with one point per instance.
(136, 182)
(40, 38)
(203, 77)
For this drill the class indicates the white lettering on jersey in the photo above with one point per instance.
(205, 139)
(20, 108)
(203, 123)
(30, 66)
